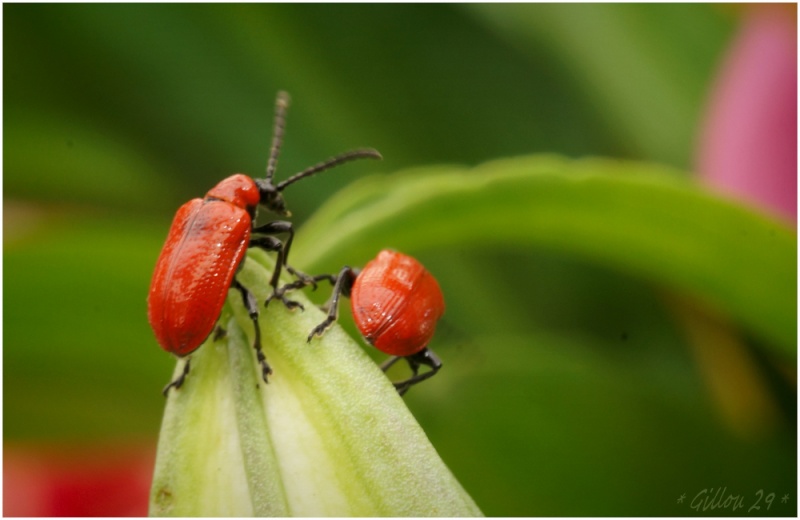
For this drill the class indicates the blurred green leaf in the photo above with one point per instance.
(81, 164)
(637, 218)
(69, 370)
(647, 84)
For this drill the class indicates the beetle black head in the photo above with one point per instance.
(271, 197)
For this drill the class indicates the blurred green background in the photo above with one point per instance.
(569, 388)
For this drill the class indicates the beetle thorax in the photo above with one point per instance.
(239, 189)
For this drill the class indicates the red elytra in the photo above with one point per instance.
(396, 303)
(206, 246)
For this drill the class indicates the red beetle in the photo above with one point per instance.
(205, 248)
(396, 303)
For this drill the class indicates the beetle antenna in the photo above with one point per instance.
(281, 106)
(361, 153)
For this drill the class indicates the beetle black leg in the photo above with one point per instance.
(179, 380)
(252, 308)
(415, 361)
(283, 226)
(271, 244)
(299, 284)
(343, 285)
(279, 293)
(389, 362)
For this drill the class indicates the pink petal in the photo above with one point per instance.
(748, 144)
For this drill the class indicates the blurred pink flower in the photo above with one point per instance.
(748, 142)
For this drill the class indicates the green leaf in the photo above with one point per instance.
(328, 436)
(627, 63)
(637, 218)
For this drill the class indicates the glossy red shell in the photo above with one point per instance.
(205, 245)
(239, 189)
(396, 303)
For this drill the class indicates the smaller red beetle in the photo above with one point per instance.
(396, 303)
(206, 246)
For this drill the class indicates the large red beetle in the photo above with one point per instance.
(207, 244)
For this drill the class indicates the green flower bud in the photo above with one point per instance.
(327, 436)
